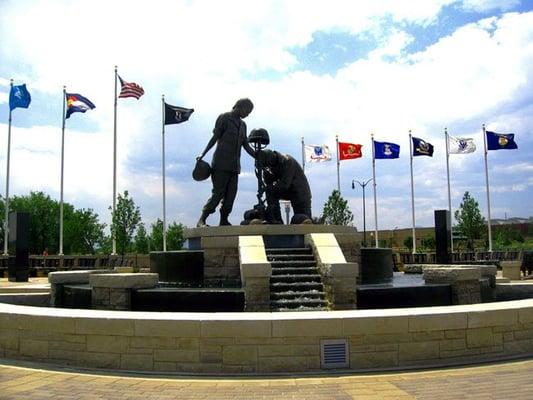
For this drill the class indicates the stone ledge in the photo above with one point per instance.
(247, 230)
(451, 274)
(486, 270)
(124, 281)
(62, 277)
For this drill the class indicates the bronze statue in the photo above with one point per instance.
(229, 135)
(284, 179)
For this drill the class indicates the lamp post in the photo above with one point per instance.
(363, 185)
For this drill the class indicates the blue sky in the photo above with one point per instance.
(351, 69)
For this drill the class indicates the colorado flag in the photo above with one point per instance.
(77, 103)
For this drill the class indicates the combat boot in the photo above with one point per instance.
(201, 222)
(224, 220)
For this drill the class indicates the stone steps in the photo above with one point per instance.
(289, 251)
(294, 263)
(290, 257)
(289, 278)
(295, 284)
(293, 270)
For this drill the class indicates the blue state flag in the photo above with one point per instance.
(77, 103)
(499, 141)
(19, 97)
(384, 150)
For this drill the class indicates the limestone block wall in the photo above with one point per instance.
(233, 343)
(221, 260)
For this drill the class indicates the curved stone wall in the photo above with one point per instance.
(233, 343)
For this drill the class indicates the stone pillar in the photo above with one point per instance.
(113, 291)
(255, 273)
(511, 269)
(339, 277)
(464, 282)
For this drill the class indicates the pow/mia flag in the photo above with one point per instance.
(422, 148)
(176, 115)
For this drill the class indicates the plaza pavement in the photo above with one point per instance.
(509, 380)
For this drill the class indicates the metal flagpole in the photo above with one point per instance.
(488, 191)
(412, 192)
(375, 197)
(6, 217)
(114, 250)
(163, 169)
(338, 165)
(303, 154)
(449, 192)
(62, 169)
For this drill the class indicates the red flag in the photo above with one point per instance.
(349, 151)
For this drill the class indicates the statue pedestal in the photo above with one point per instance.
(220, 245)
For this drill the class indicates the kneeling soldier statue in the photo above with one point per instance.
(284, 179)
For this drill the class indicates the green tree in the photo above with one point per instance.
(428, 243)
(2, 215)
(44, 220)
(408, 242)
(470, 222)
(506, 235)
(82, 231)
(124, 222)
(175, 237)
(156, 235)
(142, 241)
(336, 210)
(105, 246)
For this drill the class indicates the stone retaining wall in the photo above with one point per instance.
(232, 343)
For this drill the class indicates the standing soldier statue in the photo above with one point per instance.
(229, 135)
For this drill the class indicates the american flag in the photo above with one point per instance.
(130, 89)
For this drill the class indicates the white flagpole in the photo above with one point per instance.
(303, 154)
(114, 250)
(62, 169)
(338, 165)
(6, 216)
(488, 191)
(412, 192)
(375, 197)
(163, 169)
(448, 176)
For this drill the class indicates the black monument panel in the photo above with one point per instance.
(442, 236)
(19, 232)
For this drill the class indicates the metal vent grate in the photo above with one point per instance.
(334, 353)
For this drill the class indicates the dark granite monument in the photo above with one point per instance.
(19, 231)
(442, 236)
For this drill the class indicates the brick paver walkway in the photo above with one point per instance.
(510, 380)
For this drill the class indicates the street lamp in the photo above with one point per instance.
(363, 185)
